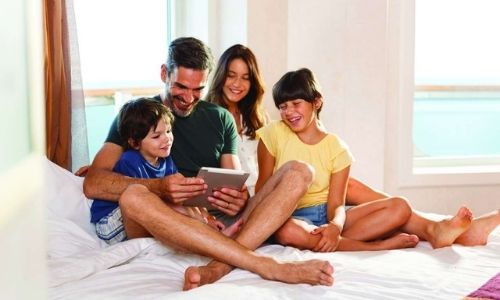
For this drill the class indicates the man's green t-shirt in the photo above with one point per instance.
(200, 139)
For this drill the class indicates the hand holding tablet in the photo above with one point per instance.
(217, 178)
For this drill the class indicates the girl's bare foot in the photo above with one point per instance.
(480, 229)
(399, 241)
(314, 272)
(445, 232)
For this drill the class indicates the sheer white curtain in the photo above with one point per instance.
(79, 142)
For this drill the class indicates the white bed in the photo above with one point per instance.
(82, 267)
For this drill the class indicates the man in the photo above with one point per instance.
(204, 136)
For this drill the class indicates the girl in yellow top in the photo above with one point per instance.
(320, 222)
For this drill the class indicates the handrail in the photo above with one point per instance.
(457, 88)
(111, 91)
(418, 88)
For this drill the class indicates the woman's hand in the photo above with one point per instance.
(330, 238)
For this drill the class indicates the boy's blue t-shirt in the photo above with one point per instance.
(132, 164)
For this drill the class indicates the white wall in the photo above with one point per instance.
(22, 230)
(355, 49)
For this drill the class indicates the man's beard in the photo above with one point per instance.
(179, 113)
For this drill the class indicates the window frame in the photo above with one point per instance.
(401, 85)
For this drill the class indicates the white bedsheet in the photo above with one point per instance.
(82, 267)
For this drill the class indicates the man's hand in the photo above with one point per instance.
(177, 188)
(82, 171)
(229, 201)
(330, 238)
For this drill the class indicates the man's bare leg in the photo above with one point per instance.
(264, 214)
(146, 214)
(480, 229)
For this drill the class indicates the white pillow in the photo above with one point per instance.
(64, 197)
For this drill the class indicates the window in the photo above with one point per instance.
(456, 109)
(122, 44)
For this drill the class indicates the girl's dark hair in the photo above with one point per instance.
(137, 117)
(300, 84)
(250, 106)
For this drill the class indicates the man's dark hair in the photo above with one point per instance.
(190, 53)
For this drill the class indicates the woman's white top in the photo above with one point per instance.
(247, 153)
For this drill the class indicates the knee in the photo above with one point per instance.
(353, 184)
(288, 235)
(130, 199)
(400, 208)
(300, 173)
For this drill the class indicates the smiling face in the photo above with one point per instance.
(157, 142)
(237, 83)
(184, 89)
(299, 114)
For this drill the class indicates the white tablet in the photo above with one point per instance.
(217, 178)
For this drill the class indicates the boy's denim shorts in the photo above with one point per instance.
(313, 215)
(110, 228)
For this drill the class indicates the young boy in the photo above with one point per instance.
(146, 126)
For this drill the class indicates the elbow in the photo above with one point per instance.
(88, 185)
(87, 189)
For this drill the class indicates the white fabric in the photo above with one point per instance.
(80, 267)
(79, 141)
(247, 153)
(65, 198)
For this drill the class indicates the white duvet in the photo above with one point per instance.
(83, 267)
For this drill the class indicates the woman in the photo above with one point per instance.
(238, 86)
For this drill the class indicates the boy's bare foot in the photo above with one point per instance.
(445, 232)
(314, 272)
(399, 241)
(232, 230)
(480, 229)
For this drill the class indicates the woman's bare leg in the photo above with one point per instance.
(480, 229)
(438, 233)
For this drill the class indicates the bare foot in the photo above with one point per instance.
(313, 272)
(445, 232)
(399, 241)
(480, 229)
(232, 230)
(198, 276)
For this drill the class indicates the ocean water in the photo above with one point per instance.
(99, 118)
(456, 127)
